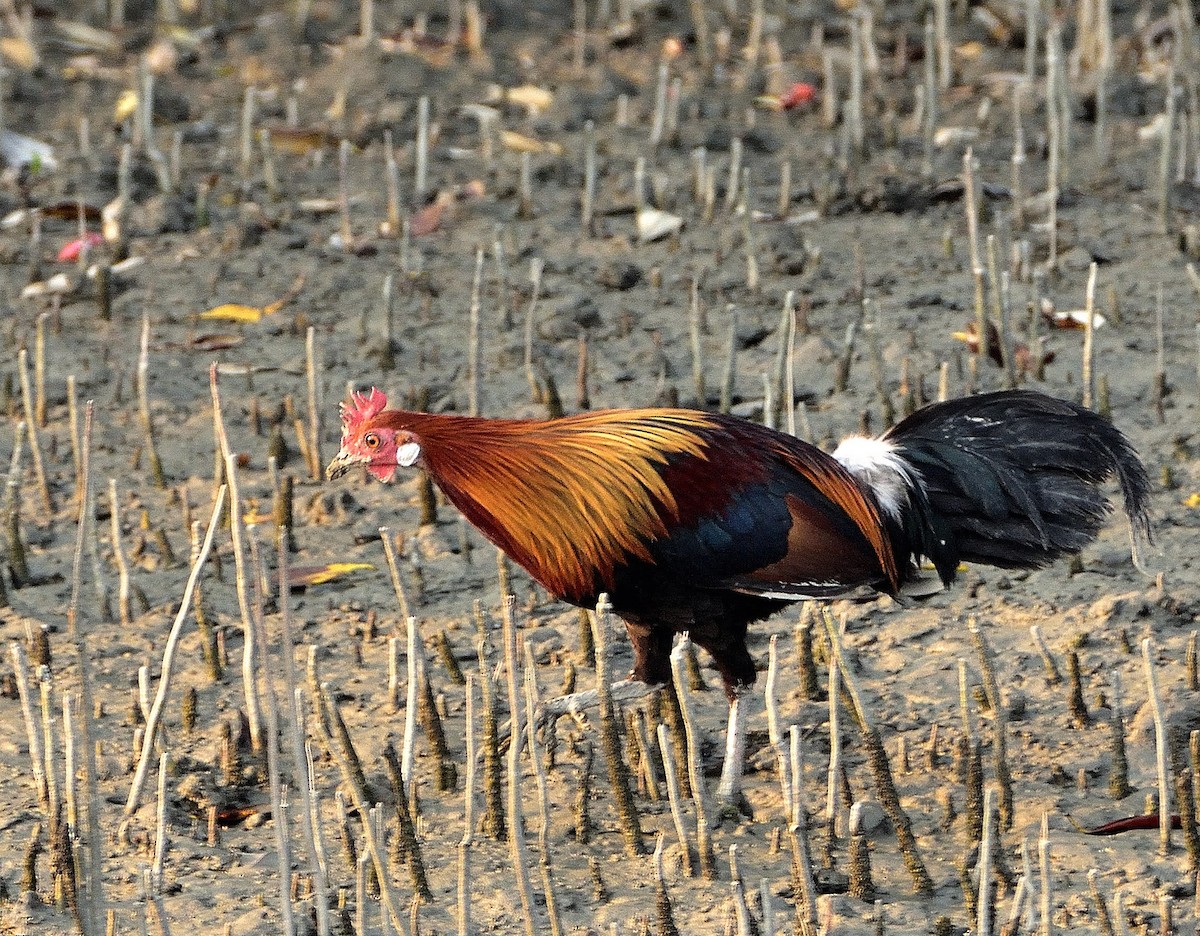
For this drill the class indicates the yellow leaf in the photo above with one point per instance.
(234, 313)
(300, 140)
(304, 576)
(970, 50)
(531, 97)
(19, 52)
(526, 144)
(1193, 501)
(126, 105)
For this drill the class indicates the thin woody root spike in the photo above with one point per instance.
(704, 845)
(618, 770)
(407, 843)
(35, 449)
(494, 825)
(143, 380)
(880, 768)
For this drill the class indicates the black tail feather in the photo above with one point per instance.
(1011, 479)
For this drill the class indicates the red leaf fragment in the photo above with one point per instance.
(800, 93)
(72, 249)
(70, 211)
(1132, 823)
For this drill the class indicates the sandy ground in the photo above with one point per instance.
(872, 228)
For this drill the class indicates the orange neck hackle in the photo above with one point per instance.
(569, 499)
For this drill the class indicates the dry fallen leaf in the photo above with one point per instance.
(81, 36)
(126, 106)
(119, 270)
(1193, 501)
(953, 136)
(434, 51)
(305, 576)
(19, 52)
(236, 815)
(672, 47)
(217, 342)
(60, 284)
(531, 97)
(233, 369)
(321, 206)
(969, 50)
(527, 144)
(426, 220)
(235, 312)
(232, 312)
(301, 140)
(162, 57)
(1075, 318)
(70, 211)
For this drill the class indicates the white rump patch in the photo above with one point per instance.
(407, 454)
(877, 464)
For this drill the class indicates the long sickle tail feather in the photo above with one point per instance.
(1009, 479)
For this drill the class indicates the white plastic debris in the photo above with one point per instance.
(653, 224)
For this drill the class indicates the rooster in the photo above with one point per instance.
(700, 522)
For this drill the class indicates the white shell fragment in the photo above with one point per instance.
(124, 268)
(19, 150)
(323, 206)
(951, 136)
(17, 218)
(653, 224)
(58, 285)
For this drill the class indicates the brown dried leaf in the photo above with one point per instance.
(69, 211)
(236, 815)
(217, 342)
(432, 50)
(1074, 319)
(301, 140)
(428, 219)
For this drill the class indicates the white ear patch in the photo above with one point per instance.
(407, 454)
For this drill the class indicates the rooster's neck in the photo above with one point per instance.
(570, 500)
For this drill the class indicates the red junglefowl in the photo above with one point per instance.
(699, 522)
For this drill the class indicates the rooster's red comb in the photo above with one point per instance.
(363, 406)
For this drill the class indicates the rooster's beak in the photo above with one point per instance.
(342, 463)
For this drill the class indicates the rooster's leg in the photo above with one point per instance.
(651, 652)
(726, 646)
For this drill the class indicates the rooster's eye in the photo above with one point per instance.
(371, 440)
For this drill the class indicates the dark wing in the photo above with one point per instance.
(772, 516)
